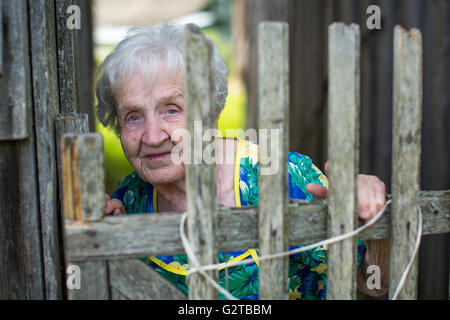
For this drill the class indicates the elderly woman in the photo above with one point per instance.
(140, 95)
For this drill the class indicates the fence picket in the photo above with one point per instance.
(76, 123)
(15, 107)
(83, 176)
(83, 192)
(134, 280)
(67, 69)
(45, 100)
(343, 147)
(1, 39)
(93, 281)
(406, 150)
(273, 77)
(200, 178)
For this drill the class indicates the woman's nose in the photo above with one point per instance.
(155, 133)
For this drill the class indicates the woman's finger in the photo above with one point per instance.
(380, 196)
(372, 201)
(109, 207)
(117, 212)
(117, 207)
(318, 191)
(363, 197)
(372, 196)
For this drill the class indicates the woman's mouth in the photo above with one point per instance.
(159, 156)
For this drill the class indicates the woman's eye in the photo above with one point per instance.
(133, 117)
(134, 121)
(172, 111)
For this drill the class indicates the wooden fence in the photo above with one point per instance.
(106, 248)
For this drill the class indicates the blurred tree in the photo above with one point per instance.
(222, 12)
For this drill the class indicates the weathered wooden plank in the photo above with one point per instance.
(83, 176)
(201, 200)
(380, 93)
(21, 268)
(67, 70)
(93, 280)
(368, 76)
(273, 78)
(435, 168)
(74, 123)
(343, 146)
(254, 12)
(117, 295)
(406, 146)
(1, 38)
(46, 107)
(134, 280)
(111, 237)
(308, 75)
(14, 122)
(84, 59)
(347, 11)
(83, 191)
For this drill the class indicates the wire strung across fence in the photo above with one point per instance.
(196, 267)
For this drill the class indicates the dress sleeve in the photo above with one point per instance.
(302, 171)
(361, 251)
(119, 192)
(133, 193)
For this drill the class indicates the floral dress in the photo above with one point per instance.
(307, 270)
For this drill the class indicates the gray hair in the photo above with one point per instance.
(147, 50)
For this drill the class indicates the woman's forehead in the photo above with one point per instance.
(147, 79)
(135, 89)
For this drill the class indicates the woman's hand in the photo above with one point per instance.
(113, 206)
(371, 194)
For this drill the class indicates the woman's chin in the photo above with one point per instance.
(163, 175)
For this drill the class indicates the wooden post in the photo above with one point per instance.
(83, 176)
(14, 81)
(67, 70)
(1, 38)
(406, 152)
(93, 281)
(273, 78)
(84, 61)
(46, 106)
(134, 280)
(200, 178)
(343, 146)
(83, 192)
(21, 261)
(67, 124)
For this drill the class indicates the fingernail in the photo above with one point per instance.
(364, 214)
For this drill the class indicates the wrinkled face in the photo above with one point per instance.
(148, 118)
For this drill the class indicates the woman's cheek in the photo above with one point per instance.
(132, 126)
(131, 145)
